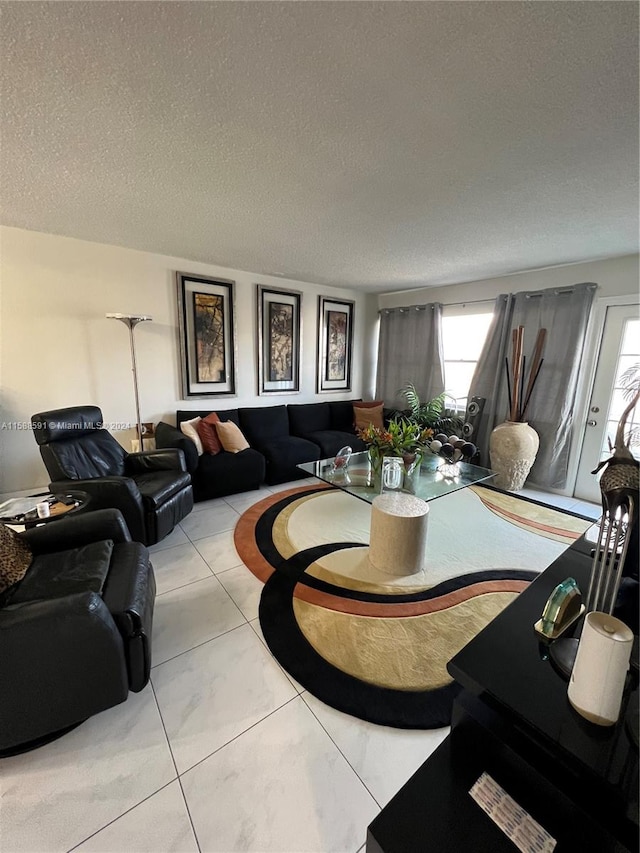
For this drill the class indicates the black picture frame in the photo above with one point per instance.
(335, 344)
(279, 340)
(206, 312)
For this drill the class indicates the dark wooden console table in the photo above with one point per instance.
(513, 720)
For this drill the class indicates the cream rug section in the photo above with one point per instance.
(402, 654)
(463, 536)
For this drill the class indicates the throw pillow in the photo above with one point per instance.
(230, 437)
(188, 428)
(15, 557)
(206, 429)
(368, 413)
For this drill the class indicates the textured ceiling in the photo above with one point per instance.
(375, 145)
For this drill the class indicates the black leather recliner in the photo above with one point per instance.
(151, 489)
(75, 632)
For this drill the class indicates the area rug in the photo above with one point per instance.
(374, 645)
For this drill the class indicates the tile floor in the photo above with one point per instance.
(222, 751)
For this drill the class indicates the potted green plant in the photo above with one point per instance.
(433, 414)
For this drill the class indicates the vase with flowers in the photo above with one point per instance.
(400, 438)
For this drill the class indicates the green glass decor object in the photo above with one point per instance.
(563, 607)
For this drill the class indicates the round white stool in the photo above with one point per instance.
(398, 541)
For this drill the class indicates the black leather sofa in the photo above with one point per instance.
(281, 437)
(152, 489)
(75, 633)
(329, 425)
(219, 475)
(267, 429)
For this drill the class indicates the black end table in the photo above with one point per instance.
(70, 502)
(513, 720)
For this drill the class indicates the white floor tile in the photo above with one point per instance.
(219, 551)
(212, 694)
(176, 537)
(58, 795)
(549, 498)
(177, 566)
(282, 786)
(242, 501)
(593, 511)
(255, 624)
(198, 525)
(158, 825)
(384, 758)
(244, 588)
(214, 503)
(191, 615)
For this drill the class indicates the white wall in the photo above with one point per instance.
(57, 349)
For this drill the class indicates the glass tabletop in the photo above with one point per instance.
(433, 479)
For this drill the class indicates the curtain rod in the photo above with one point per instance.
(557, 291)
(561, 291)
(405, 308)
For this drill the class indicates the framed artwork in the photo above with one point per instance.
(207, 335)
(278, 340)
(335, 344)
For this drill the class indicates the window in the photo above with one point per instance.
(464, 330)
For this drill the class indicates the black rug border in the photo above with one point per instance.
(404, 709)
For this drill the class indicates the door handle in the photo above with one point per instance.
(591, 422)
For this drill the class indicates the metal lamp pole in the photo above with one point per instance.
(131, 321)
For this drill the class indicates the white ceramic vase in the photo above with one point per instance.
(512, 447)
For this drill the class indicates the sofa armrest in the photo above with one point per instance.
(75, 531)
(163, 459)
(111, 493)
(168, 436)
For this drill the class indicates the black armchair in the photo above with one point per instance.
(152, 489)
(75, 632)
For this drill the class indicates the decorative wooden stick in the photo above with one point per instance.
(535, 364)
(517, 369)
(522, 375)
(506, 364)
(531, 387)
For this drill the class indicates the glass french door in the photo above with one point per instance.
(619, 350)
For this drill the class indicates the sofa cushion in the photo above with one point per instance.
(308, 417)
(65, 573)
(228, 474)
(368, 413)
(330, 441)
(341, 415)
(206, 429)
(231, 437)
(261, 425)
(283, 454)
(15, 558)
(190, 429)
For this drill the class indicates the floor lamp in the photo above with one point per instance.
(131, 321)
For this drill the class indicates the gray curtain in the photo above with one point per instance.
(410, 350)
(489, 374)
(564, 313)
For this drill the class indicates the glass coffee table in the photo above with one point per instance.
(433, 479)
